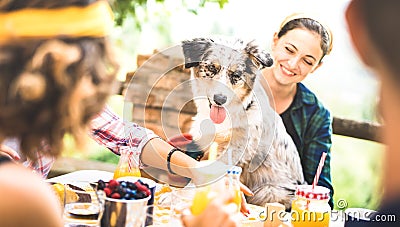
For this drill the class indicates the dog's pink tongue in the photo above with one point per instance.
(217, 114)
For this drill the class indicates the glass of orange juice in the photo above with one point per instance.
(229, 183)
(124, 171)
(311, 208)
(127, 166)
(202, 198)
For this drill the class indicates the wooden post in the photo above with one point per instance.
(356, 129)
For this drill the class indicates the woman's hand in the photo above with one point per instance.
(9, 152)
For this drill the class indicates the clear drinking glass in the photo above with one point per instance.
(82, 206)
(181, 199)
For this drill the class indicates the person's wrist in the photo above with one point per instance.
(169, 157)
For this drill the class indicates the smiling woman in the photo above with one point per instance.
(298, 49)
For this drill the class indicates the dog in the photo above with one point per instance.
(234, 111)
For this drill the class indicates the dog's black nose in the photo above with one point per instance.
(219, 99)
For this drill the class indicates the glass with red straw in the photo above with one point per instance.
(318, 173)
(319, 169)
(311, 204)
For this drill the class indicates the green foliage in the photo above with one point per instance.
(102, 154)
(356, 167)
(129, 8)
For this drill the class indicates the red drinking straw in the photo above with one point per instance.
(319, 169)
(317, 174)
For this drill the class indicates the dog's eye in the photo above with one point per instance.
(236, 74)
(235, 77)
(212, 68)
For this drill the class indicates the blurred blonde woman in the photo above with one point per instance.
(56, 73)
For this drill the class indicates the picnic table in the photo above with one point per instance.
(337, 217)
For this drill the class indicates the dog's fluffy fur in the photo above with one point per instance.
(234, 111)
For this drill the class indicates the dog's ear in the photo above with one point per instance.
(193, 50)
(259, 57)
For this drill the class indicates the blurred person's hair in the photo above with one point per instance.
(52, 82)
(382, 23)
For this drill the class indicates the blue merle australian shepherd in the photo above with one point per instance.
(234, 110)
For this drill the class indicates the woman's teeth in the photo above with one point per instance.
(287, 71)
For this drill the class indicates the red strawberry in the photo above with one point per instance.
(107, 191)
(116, 195)
(140, 186)
(113, 184)
(147, 191)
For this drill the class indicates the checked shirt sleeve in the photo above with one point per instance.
(109, 130)
(42, 166)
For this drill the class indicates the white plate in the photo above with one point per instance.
(83, 175)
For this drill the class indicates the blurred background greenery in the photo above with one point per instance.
(342, 84)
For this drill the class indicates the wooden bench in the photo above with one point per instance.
(65, 165)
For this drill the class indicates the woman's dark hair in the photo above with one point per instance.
(313, 26)
(51, 87)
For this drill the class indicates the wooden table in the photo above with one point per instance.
(337, 219)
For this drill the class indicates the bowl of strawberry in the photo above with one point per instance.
(124, 202)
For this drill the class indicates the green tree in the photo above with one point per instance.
(128, 8)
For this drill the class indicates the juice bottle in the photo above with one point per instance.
(205, 195)
(127, 166)
(233, 182)
(311, 208)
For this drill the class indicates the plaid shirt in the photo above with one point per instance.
(108, 130)
(312, 124)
